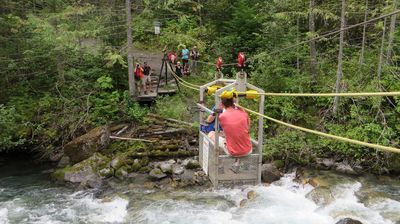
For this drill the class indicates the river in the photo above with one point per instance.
(27, 195)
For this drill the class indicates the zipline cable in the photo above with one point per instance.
(326, 94)
(339, 138)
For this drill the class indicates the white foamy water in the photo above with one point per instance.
(283, 202)
(3, 216)
(24, 199)
(79, 207)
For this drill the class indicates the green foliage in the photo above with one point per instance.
(133, 110)
(10, 135)
(177, 111)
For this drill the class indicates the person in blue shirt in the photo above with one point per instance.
(210, 124)
(185, 58)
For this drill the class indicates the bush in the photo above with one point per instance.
(10, 129)
(133, 110)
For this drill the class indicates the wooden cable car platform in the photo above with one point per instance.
(162, 84)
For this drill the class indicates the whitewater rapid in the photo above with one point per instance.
(34, 199)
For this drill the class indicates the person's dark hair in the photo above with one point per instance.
(227, 102)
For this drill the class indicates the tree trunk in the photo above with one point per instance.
(364, 34)
(130, 56)
(313, 51)
(339, 73)
(381, 59)
(391, 32)
(297, 42)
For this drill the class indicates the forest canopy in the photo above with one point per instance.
(64, 68)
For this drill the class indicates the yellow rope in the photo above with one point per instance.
(326, 94)
(181, 80)
(375, 146)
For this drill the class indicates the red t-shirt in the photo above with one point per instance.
(139, 72)
(235, 123)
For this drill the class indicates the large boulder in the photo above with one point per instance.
(348, 221)
(270, 173)
(84, 172)
(84, 146)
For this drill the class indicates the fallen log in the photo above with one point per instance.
(167, 132)
(131, 139)
(160, 154)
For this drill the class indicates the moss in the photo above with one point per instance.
(60, 173)
(144, 169)
(279, 164)
(135, 167)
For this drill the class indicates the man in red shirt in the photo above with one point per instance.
(235, 123)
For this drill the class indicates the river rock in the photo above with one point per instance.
(243, 203)
(270, 173)
(166, 167)
(251, 195)
(200, 177)
(84, 171)
(171, 161)
(344, 168)
(321, 196)
(177, 169)
(84, 146)
(349, 221)
(324, 163)
(64, 161)
(106, 172)
(121, 173)
(192, 164)
(187, 178)
(157, 174)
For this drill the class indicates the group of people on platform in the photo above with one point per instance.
(143, 78)
(186, 55)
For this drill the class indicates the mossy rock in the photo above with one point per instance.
(86, 145)
(280, 164)
(144, 169)
(193, 164)
(121, 173)
(135, 167)
(106, 172)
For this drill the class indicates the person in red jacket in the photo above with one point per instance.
(139, 78)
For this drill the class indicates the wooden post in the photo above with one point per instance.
(132, 87)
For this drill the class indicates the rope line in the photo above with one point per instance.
(180, 79)
(339, 138)
(326, 94)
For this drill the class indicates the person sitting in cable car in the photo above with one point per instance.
(236, 125)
